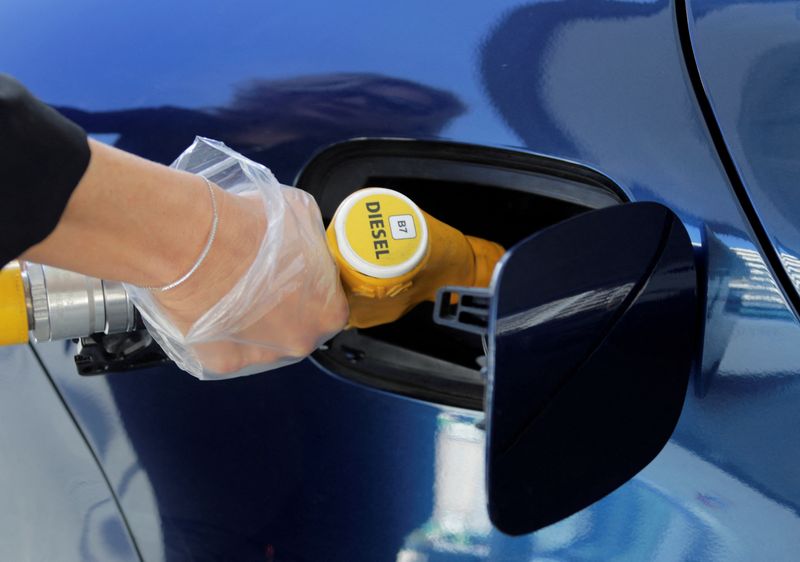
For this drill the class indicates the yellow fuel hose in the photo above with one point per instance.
(13, 311)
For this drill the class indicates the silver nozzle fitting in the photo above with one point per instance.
(63, 304)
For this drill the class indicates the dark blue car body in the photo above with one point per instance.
(303, 465)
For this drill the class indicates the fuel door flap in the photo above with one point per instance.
(591, 328)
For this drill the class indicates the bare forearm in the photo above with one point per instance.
(130, 219)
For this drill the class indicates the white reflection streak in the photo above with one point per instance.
(563, 308)
(459, 524)
(759, 288)
(792, 266)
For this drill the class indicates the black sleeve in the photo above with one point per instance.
(43, 156)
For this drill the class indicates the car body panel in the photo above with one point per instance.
(56, 503)
(301, 465)
(751, 76)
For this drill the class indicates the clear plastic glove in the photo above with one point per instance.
(268, 293)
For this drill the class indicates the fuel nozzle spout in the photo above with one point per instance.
(392, 255)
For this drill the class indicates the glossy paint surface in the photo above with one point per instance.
(288, 466)
(298, 465)
(751, 75)
(56, 504)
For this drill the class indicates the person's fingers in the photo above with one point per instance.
(220, 357)
(295, 301)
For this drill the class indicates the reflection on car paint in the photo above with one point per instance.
(280, 123)
(602, 298)
(459, 523)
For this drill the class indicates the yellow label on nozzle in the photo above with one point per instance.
(381, 232)
(13, 310)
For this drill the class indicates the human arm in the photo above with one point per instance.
(143, 223)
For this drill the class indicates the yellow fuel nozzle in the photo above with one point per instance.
(392, 255)
(13, 306)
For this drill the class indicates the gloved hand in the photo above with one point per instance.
(267, 294)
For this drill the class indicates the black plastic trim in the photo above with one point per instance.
(317, 171)
(335, 172)
(441, 150)
(394, 369)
